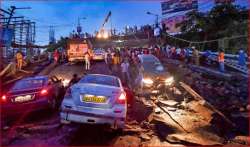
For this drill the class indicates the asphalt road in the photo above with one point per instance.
(146, 125)
(44, 128)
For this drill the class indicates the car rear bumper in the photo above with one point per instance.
(15, 109)
(71, 59)
(98, 57)
(68, 116)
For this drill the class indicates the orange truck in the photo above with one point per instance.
(77, 48)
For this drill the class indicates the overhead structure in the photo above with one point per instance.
(102, 33)
(18, 32)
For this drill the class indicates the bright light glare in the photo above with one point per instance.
(99, 35)
(65, 82)
(147, 81)
(169, 80)
(122, 97)
(105, 35)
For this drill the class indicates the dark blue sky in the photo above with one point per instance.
(64, 14)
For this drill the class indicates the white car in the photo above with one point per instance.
(98, 55)
(95, 99)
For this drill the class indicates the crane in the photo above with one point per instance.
(102, 33)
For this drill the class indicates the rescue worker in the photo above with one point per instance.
(19, 59)
(87, 60)
(196, 57)
(221, 61)
(242, 58)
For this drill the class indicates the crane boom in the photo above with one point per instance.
(102, 32)
(106, 19)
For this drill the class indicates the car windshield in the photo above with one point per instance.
(150, 59)
(152, 64)
(28, 84)
(99, 79)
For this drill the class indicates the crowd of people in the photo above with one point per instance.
(122, 58)
(125, 57)
(192, 55)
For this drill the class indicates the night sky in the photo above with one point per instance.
(64, 14)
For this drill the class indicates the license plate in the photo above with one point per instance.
(93, 99)
(20, 99)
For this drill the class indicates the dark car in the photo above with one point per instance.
(154, 75)
(31, 94)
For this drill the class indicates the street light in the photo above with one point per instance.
(79, 28)
(156, 15)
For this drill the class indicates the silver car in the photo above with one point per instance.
(98, 55)
(95, 99)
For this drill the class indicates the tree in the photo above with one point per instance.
(221, 21)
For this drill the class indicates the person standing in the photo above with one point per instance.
(242, 58)
(19, 59)
(74, 80)
(109, 61)
(125, 73)
(196, 56)
(178, 53)
(56, 56)
(87, 60)
(106, 57)
(139, 79)
(187, 55)
(221, 61)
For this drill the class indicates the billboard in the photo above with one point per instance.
(171, 23)
(172, 6)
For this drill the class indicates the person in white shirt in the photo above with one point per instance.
(124, 68)
(106, 57)
(87, 61)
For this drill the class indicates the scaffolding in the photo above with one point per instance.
(24, 32)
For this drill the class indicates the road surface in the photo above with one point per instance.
(178, 120)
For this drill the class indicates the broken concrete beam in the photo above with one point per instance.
(195, 139)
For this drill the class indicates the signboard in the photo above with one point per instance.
(6, 36)
(172, 6)
(171, 23)
(77, 49)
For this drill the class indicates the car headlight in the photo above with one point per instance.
(148, 81)
(169, 80)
